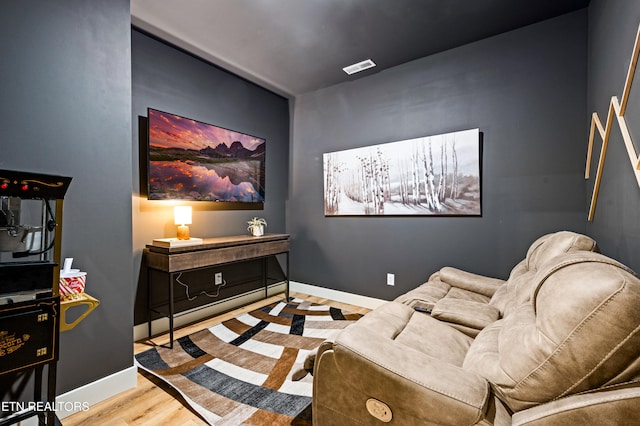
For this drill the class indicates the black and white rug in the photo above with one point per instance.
(240, 371)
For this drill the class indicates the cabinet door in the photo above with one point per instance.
(28, 333)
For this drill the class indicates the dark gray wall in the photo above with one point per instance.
(171, 80)
(525, 90)
(65, 109)
(613, 25)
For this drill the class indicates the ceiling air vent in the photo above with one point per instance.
(360, 66)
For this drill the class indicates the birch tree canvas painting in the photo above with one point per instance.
(432, 175)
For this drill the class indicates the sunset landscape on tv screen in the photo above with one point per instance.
(191, 160)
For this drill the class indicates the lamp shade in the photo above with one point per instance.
(182, 215)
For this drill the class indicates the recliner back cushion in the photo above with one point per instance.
(551, 245)
(580, 331)
(521, 279)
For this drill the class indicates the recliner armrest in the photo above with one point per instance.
(611, 406)
(470, 281)
(465, 312)
(363, 364)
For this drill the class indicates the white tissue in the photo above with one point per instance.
(67, 265)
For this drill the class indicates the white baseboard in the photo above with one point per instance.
(90, 394)
(161, 325)
(338, 296)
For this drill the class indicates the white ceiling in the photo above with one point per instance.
(296, 46)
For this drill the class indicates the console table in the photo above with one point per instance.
(212, 252)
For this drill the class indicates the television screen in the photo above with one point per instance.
(191, 160)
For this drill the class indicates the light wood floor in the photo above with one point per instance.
(151, 402)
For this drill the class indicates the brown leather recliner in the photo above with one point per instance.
(564, 350)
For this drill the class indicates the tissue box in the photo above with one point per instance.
(71, 284)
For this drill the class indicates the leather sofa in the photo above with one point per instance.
(557, 343)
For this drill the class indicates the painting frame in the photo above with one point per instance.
(437, 175)
(190, 160)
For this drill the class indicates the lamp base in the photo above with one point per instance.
(183, 232)
(174, 242)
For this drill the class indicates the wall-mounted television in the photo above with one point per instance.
(196, 161)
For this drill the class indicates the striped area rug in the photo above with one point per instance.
(240, 371)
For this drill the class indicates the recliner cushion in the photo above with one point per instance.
(465, 312)
(434, 338)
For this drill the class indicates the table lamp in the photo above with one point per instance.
(182, 218)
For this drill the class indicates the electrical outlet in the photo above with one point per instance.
(218, 278)
(391, 279)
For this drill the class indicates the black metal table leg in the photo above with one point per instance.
(287, 278)
(149, 318)
(264, 277)
(171, 276)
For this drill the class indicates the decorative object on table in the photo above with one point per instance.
(191, 160)
(256, 226)
(182, 218)
(617, 109)
(241, 370)
(432, 175)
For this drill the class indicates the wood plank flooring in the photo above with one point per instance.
(152, 402)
